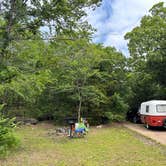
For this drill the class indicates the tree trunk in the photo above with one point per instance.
(79, 109)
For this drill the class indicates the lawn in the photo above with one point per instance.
(112, 146)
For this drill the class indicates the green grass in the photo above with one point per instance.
(112, 146)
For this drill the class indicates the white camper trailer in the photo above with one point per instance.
(153, 113)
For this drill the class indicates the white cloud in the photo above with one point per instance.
(117, 17)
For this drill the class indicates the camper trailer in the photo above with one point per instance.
(153, 113)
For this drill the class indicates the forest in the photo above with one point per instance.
(50, 69)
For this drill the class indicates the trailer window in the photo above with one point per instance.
(161, 108)
(147, 108)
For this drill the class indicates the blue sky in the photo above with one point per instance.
(114, 18)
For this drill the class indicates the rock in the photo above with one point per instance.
(26, 121)
(63, 131)
(99, 126)
(31, 121)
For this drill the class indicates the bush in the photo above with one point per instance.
(8, 140)
(118, 109)
(115, 117)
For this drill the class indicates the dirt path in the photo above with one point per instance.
(159, 135)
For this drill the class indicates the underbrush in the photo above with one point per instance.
(8, 139)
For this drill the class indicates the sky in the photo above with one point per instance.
(114, 18)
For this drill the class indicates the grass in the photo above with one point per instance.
(112, 146)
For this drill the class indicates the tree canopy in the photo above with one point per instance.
(147, 56)
(60, 72)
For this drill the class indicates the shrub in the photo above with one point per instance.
(118, 109)
(8, 140)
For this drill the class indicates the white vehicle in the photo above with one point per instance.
(153, 113)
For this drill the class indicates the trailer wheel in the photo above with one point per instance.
(164, 122)
(134, 119)
(147, 126)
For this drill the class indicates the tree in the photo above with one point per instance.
(148, 60)
(114, 71)
(20, 23)
(87, 76)
(22, 19)
(63, 74)
(24, 72)
(76, 68)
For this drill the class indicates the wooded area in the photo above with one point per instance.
(50, 69)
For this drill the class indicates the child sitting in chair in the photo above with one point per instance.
(80, 127)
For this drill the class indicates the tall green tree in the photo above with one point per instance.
(90, 79)
(147, 56)
(20, 22)
(22, 19)
(23, 72)
(76, 67)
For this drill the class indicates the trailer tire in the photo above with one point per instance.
(134, 119)
(147, 126)
(164, 122)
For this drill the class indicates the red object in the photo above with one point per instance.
(153, 120)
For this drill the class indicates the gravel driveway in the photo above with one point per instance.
(159, 135)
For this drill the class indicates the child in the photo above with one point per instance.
(80, 127)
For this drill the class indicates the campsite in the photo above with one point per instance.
(111, 145)
(82, 83)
